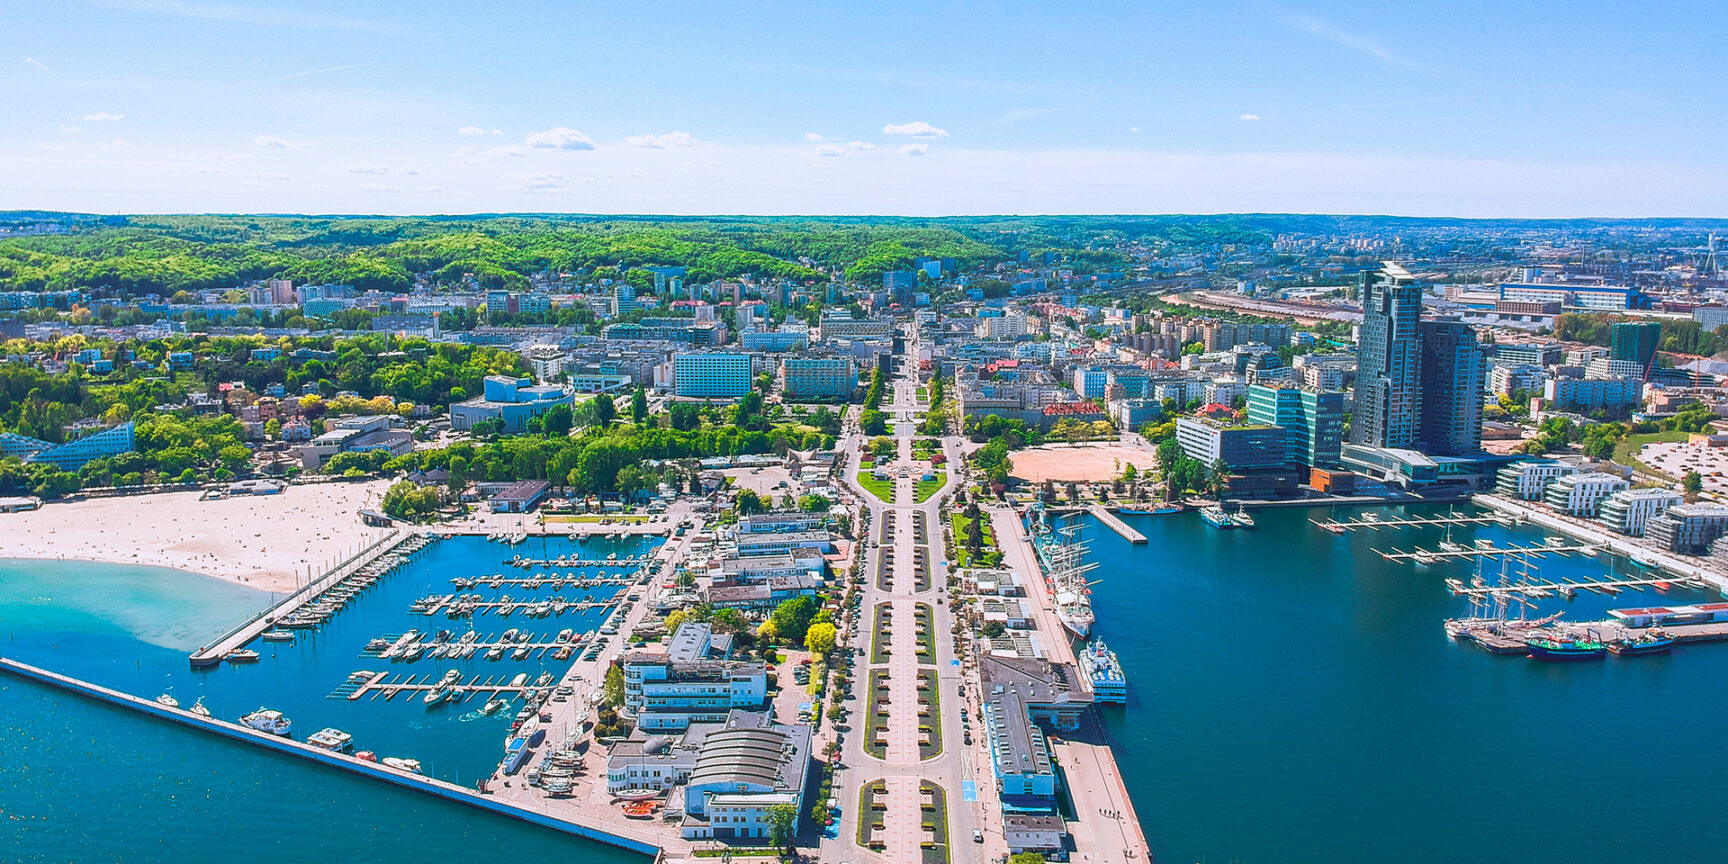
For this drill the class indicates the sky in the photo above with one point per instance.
(1465, 108)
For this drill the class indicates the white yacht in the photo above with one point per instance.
(268, 720)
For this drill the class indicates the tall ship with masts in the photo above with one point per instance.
(1063, 555)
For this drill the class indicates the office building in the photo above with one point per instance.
(712, 375)
(1240, 446)
(1453, 377)
(1635, 342)
(1388, 400)
(1313, 421)
(1616, 396)
(514, 401)
(687, 685)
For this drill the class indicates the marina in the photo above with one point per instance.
(1374, 522)
(1431, 556)
(466, 605)
(314, 603)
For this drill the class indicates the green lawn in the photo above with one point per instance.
(883, 489)
(958, 523)
(927, 488)
(1626, 451)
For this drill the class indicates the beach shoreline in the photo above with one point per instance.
(267, 542)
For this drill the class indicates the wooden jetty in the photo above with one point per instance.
(437, 605)
(628, 561)
(379, 685)
(532, 583)
(1116, 524)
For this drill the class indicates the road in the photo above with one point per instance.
(902, 766)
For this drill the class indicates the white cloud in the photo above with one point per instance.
(812, 137)
(408, 172)
(363, 168)
(32, 61)
(253, 15)
(1249, 117)
(118, 144)
(277, 178)
(476, 130)
(412, 190)
(102, 117)
(272, 142)
(560, 138)
(830, 150)
(915, 149)
(1133, 128)
(862, 145)
(71, 130)
(543, 181)
(474, 154)
(1316, 27)
(661, 142)
(916, 129)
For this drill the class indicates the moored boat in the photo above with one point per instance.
(199, 709)
(278, 635)
(1104, 672)
(1560, 647)
(243, 655)
(167, 700)
(268, 720)
(411, 766)
(334, 740)
(1652, 641)
(1216, 517)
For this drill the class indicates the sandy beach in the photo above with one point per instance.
(265, 542)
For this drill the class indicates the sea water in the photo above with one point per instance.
(84, 781)
(1293, 697)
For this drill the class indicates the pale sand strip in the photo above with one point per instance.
(265, 542)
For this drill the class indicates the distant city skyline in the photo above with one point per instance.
(1470, 109)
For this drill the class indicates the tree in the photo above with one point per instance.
(749, 502)
(814, 503)
(686, 416)
(820, 638)
(791, 619)
(558, 421)
(1026, 858)
(1692, 483)
(613, 690)
(604, 409)
(783, 826)
(639, 405)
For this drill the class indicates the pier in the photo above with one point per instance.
(1116, 524)
(631, 561)
(1337, 526)
(532, 583)
(417, 685)
(395, 541)
(644, 839)
(1433, 556)
(460, 606)
(1680, 565)
(1568, 588)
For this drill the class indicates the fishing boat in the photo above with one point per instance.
(1216, 517)
(167, 700)
(1559, 646)
(334, 740)
(1652, 641)
(268, 720)
(1104, 671)
(278, 635)
(199, 709)
(242, 655)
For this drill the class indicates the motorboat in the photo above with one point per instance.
(411, 766)
(275, 635)
(494, 705)
(242, 655)
(268, 720)
(199, 709)
(334, 740)
(167, 700)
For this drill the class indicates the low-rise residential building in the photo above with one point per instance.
(1527, 480)
(669, 691)
(1689, 529)
(818, 377)
(1582, 494)
(1587, 395)
(1630, 510)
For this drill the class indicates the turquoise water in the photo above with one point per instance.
(131, 628)
(1294, 698)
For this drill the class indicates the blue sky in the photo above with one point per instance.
(1463, 108)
